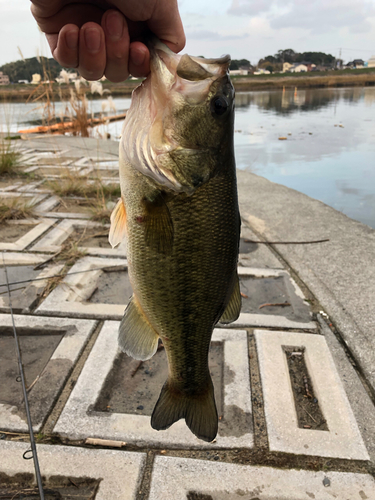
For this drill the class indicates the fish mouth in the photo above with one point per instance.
(187, 75)
(149, 141)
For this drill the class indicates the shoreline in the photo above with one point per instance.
(332, 79)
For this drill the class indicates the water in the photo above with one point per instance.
(329, 154)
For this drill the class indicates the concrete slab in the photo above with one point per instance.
(337, 272)
(179, 478)
(39, 227)
(54, 239)
(71, 296)
(24, 295)
(360, 402)
(119, 472)
(343, 438)
(78, 419)
(248, 320)
(257, 255)
(19, 258)
(47, 380)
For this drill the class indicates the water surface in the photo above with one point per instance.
(328, 154)
(329, 151)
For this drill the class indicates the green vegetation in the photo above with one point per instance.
(8, 158)
(238, 63)
(276, 61)
(24, 69)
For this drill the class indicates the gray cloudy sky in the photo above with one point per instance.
(248, 29)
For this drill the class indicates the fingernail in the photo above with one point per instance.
(71, 39)
(137, 56)
(114, 25)
(92, 39)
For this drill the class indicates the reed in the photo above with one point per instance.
(16, 208)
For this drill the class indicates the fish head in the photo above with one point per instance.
(180, 123)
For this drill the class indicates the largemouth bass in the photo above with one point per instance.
(179, 211)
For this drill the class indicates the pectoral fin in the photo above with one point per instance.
(158, 225)
(233, 309)
(136, 337)
(118, 224)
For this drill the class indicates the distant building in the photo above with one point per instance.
(286, 67)
(261, 71)
(243, 71)
(36, 79)
(4, 79)
(371, 62)
(23, 81)
(358, 63)
(298, 68)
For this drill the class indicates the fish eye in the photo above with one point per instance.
(219, 105)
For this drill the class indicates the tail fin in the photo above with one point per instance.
(198, 410)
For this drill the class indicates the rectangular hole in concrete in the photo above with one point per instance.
(113, 287)
(10, 233)
(309, 414)
(74, 205)
(256, 292)
(246, 247)
(22, 486)
(137, 394)
(20, 300)
(92, 237)
(36, 351)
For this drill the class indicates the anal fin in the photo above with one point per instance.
(233, 309)
(137, 338)
(118, 224)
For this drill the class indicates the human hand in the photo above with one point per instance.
(100, 36)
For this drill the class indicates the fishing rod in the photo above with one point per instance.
(33, 451)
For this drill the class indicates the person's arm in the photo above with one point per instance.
(99, 37)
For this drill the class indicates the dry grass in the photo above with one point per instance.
(16, 208)
(99, 197)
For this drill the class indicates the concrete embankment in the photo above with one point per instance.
(340, 272)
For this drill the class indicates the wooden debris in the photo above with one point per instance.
(277, 304)
(105, 442)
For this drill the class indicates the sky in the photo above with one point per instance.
(246, 29)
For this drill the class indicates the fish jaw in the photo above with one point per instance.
(160, 137)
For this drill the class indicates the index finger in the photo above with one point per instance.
(166, 24)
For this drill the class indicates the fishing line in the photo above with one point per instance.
(63, 275)
(33, 451)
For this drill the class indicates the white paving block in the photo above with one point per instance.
(40, 227)
(77, 421)
(248, 320)
(173, 478)
(42, 395)
(23, 259)
(343, 439)
(54, 239)
(72, 294)
(119, 471)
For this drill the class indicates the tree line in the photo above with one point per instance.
(25, 68)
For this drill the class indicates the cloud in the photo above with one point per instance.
(320, 16)
(250, 7)
(212, 36)
(316, 16)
